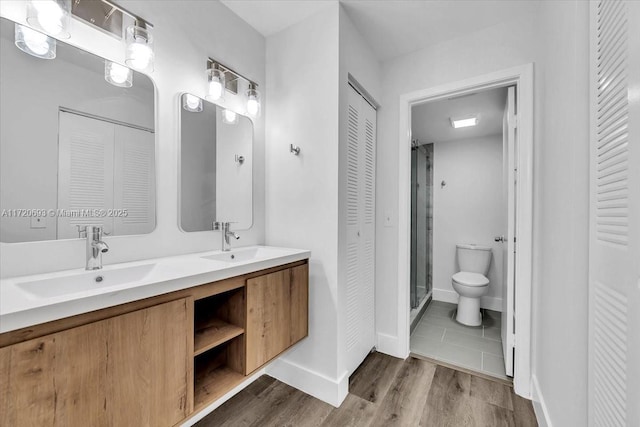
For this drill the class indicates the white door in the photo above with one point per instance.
(360, 217)
(85, 173)
(509, 148)
(614, 238)
(134, 188)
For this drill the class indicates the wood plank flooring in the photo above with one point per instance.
(384, 391)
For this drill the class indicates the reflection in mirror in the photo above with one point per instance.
(75, 148)
(216, 166)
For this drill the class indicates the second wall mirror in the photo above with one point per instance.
(216, 166)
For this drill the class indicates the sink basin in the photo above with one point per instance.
(245, 255)
(85, 281)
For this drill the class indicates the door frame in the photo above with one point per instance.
(522, 78)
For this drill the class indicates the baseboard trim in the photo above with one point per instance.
(331, 391)
(444, 295)
(215, 405)
(539, 407)
(389, 344)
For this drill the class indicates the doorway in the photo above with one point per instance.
(466, 138)
(522, 79)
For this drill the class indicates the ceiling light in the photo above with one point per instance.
(118, 75)
(192, 103)
(139, 53)
(52, 16)
(253, 100)
(34, 42)
(463, 123)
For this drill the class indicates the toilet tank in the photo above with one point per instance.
(474, 258)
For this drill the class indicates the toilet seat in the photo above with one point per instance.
(466, 278)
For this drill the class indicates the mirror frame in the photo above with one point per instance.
(179, 159)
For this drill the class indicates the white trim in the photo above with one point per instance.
(389, 344)
(539, 407)
(212, 407)
(445, 295)
(329, 390)
(522, 77)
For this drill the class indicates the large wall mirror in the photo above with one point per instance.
(74, 148)
(216, 166)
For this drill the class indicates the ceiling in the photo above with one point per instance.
(392, 28)
(430, 121)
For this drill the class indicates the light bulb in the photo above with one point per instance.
(119, 73)
(52, 16)
(229, 116)
(35, 41)
(139, 56)
(192, 101)
(49, 16)
(253, 106)
(215, 90)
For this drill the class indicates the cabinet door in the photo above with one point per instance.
(299, 292)
(129, 370)
(268, 331)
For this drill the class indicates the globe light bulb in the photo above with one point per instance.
(49, 16)
(139, 56)
(253, 106)
(229, 116)
(192, 101)
(215, 90)
(119, 73)
(36, 41)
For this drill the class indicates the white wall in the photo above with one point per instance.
(302, 207)
(186, 33)
(468, 209)
(562, 180)
(556, 40)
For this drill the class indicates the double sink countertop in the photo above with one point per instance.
(30, 300)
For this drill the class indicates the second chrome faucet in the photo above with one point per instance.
(224, 227)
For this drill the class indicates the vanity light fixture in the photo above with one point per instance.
(222, 79)
(118, 75)
(192, 103)
(216, 79)
(109, 17)
(253, 100)
(229, 117)
(463, 123)
(51, 16)
(139, 54)
(34, 42)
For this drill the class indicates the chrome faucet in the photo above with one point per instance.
(95, 246)
(226, 234)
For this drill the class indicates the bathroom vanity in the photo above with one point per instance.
(171, 349)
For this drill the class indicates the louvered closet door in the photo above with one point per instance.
(360, 204)
(134, 188)
(85, 171)
(614, 276)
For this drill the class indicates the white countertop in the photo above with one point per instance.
(20, 308)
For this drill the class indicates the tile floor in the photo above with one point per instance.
(440, 337)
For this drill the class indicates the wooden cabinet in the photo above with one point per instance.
(277, 312)
(152, 362)
(132, 369)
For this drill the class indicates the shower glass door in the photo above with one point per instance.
(421, 222)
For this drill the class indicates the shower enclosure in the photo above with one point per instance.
(421, 224)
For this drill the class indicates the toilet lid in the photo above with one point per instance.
(470, 279)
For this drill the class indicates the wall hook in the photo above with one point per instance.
(294, 149)
(239, 159)
(443, 184)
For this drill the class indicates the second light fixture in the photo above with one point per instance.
(221, 79)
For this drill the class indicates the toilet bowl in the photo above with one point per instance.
(471, 282)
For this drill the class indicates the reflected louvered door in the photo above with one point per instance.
(134, 181)
(85, 173)
(614, 276)
(360, 218)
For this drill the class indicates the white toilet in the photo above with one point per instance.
(471, 282)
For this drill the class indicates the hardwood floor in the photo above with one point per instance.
(384, 391)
